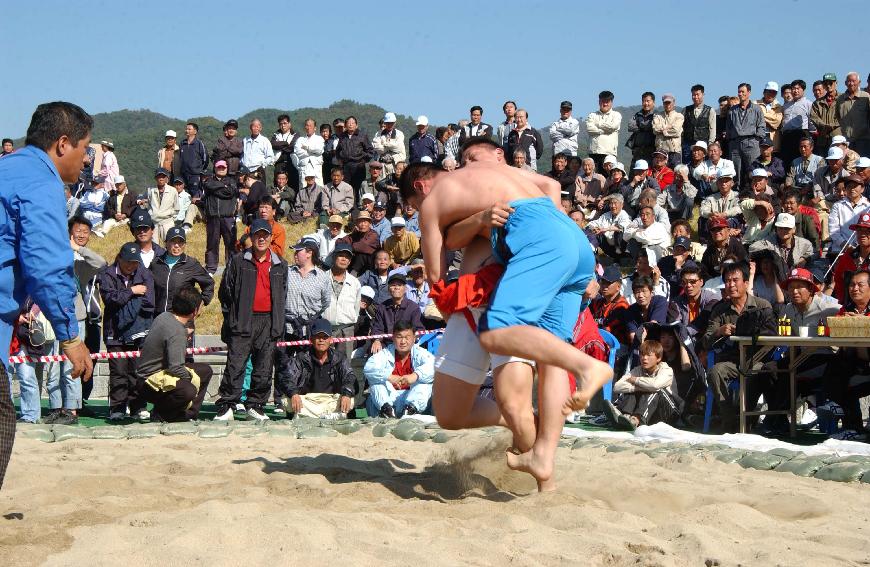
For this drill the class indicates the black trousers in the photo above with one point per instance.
(217, 229)
(354, 175)
(841, 368)
(123, 382)
(173, 405)
(361, 263)
(7, 422)
(260, 347)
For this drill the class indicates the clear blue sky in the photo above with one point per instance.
(192, 58)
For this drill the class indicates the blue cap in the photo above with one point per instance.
(141, 218)
(175, 232)
(320, 327)
(130, 252)
(161, 171)
(611, 274)
(261, 225)
(398, 274)
(307, 242)
(343, 247)
(684, 242)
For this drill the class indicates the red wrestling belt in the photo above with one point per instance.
(470, 290)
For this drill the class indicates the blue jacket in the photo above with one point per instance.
(380, 365)
(420, 146)
(127, 317)
(35, 256)
(384, 228)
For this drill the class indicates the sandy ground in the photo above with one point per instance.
(264, 500)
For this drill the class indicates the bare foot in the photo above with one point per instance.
(597, 375)
(547, 485)
(529, 462)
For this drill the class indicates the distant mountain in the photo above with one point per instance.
(139, 134)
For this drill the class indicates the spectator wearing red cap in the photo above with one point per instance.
(722, 244)
(854, 258)
(805, 307)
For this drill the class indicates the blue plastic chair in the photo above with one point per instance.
(431, 341)
(734, 386)
(613, 343)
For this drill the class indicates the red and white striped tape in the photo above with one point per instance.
(195, 350)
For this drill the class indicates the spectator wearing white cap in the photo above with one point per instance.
(770, 163)
(311, 198)
(166, 156)
(853, 112)
(725, 203)
(668, 128)
(389, 143)
(699, 122)
(794, 250)
(678, 198)
(772, 111)
(109, 168)
(163, 205)
(308, 151)
(826, 176)
(642, 139)
(610, 225)
(119, 207)
(759, 185)
(846, 211)
(603, 129)
(403, 246)
(380, 223)
(850, 156)
(422, 144)
(565, 132)
(638, 181)
(862, 170)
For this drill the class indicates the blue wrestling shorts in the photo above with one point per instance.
(548, 264)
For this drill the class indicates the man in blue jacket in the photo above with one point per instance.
(400, 376)
(35, 256)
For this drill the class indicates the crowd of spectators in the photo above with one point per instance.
(724, 220)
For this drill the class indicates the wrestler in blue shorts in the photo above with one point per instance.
(548, 264)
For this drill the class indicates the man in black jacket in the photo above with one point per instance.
(524, 138)
(194, 159)
(319, 380)
(229, 148)
(642, 139)
(220, 197)
(252, 295)
(119, 207)
(354, 151)
(396, 308)
(175, 270)
(283, 143)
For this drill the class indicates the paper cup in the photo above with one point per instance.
(803, 331)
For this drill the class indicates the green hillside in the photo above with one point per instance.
(138, 134)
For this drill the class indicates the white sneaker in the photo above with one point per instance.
(143, 415)
(279, 410)
(117, 416)
(257, 415)
(809, 417)
(574, 417)
(240, 408)
(226, 416)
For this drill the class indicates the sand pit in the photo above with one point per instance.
(266, 500)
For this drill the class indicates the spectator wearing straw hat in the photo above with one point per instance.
(127, 290)
(319, 382)
(253, 293)
(168, 156)
(328, 236)
(364, 242)
(343, 309)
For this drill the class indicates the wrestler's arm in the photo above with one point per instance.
(548, 186)
(461, 233)
(432, 242)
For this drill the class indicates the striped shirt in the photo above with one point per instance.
(451, 148)
(308, 296)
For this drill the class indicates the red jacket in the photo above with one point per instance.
(665, 176)
(588, 339)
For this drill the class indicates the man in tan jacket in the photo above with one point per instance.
(668, 128)
(772, 111)
(163, 205)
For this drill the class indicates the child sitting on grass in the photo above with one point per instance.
(644, 394)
